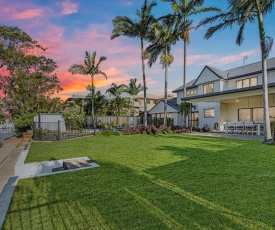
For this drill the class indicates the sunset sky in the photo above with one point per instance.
(69, 28)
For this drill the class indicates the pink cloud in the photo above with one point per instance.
(27, 14)
(69, 7)
(218, 61)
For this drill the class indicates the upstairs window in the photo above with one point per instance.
(248, 82)
(208, 88)
(191, 92)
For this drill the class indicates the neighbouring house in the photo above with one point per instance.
(151, 100)
(229, 96)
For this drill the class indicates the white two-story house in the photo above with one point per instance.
(231, 95)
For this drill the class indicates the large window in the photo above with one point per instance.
(208, 88)
(254, 114)
(209, 113)
(258, 114)
(248, 82)
(245, 114)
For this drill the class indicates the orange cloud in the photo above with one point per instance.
(69, 7)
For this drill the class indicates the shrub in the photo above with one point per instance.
(126, 132)
(106, 133)
(98, 134)
(170, 132)
(144, 132)
(115, 133)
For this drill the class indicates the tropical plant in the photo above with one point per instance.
(119, 106)
(165, 35)
(242, 12)
(133, 89)
(73, 115)
(184, 10)
(124, 26)
(91, 68)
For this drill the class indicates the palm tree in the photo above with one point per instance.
(133, 89)
(89, 68)
(165, 35)
(241, 12)
(186, 9)
(124, 26)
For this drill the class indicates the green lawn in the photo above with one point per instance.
(150, 182)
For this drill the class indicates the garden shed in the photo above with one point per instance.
(50, 121)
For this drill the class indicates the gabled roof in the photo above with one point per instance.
(218, 72)
(189, 85)
(172, 103)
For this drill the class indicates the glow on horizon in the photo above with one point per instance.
(69, 28)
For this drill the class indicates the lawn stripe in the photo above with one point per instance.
(234, 216)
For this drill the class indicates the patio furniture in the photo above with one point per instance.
(230, 127)
(249, 127)
(239, 127)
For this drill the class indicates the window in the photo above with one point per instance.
(248, 82)
(208, 88)
(258, 114)
(253, 81)
(239, 84)
(209, 113)
(245, 114)
(191, 92)
(194, 122)
(148, 101)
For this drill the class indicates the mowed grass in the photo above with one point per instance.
(150, 182)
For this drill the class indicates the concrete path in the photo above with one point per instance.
(230, 136)
(9, 154)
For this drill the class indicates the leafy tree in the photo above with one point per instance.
(133, 89)
(26, 76)
(100, 103)
(73, 115)
(124, 26)
(91, 68)
(165, 35)
(242, 12)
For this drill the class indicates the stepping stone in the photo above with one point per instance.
(76, 164)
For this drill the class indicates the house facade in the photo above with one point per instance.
(230, 96)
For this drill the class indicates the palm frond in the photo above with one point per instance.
(78, 69)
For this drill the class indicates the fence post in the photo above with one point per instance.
(58, 131)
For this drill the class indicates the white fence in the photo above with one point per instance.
(7, 128)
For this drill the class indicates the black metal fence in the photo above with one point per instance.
(61, 130)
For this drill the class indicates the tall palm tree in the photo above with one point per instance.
(165, 35)
(124, 26)
(241, 12)
(91, 68)
(133, 89)
(186, 9)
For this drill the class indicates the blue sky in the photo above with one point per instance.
(69, 28)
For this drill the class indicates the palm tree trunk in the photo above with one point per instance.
(267, 130)
(144, 84)
(165, 90)
(184, 76)
(93, 103)
(133, 104)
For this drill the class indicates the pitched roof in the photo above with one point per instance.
(189, 85)
(173, 103)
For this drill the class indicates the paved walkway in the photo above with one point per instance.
(231, 136)
(9, 153)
